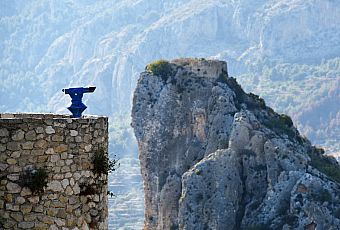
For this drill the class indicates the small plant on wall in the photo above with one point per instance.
(102, 164)
(34, 179)
(88, 189)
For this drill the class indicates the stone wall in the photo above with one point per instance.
(203, 67)
(75, 197)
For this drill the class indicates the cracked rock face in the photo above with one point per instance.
(213, 156)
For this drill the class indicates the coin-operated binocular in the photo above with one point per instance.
(77, 106)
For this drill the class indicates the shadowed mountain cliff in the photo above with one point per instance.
(213, 156)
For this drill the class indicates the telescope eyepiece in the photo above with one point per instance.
(91, 89)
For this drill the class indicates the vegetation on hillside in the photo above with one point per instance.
(308, 93)
(281, 124)
(161, 68)
(325, 164)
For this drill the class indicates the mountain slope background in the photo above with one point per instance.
(286, 51)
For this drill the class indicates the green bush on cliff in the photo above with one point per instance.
(251, 100)
(325, 164)
(161, 68)
(281, 124)
(285, 119)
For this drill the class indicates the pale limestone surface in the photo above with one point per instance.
(213, 157)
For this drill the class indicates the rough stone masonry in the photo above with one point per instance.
(64, 147)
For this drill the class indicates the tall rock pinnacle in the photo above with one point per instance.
(214, 157)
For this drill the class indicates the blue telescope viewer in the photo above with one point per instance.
(77, 106)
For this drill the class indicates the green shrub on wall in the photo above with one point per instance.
(88, 189)
(102, 164)
(34, 179)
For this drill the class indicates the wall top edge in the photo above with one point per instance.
(46, 116)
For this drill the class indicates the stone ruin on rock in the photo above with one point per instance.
(75, 197)
(214, 157)
(203, 67)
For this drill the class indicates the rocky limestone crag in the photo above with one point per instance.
(214, 157)
(64, 148)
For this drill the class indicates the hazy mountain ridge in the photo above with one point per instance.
(307, 92)
(52, 44)
(48, 45)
